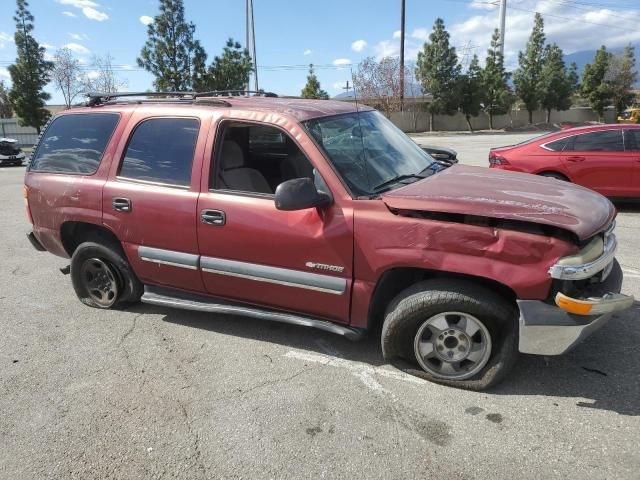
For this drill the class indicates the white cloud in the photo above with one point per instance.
(4, 73)
(483, 5)
(93, 74)
(93, 14)
(79, 36)
(69, 14)
(386, 48)
(421, 34)
(341, 62)
(307, 52)
(4, 39)
(146, 20)
(48, 46)
(89, 9)
(397, 34)
(358, 45)
(77, 48)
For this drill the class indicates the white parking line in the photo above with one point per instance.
(631, 272)
(366, 373)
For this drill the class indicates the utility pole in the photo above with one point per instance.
(253, 42)
(503, 15)
(402, 2)
(246, 38)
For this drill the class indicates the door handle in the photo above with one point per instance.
(576, 159)
(213, 217)
(121, 204)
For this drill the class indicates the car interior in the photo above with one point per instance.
(257, 158)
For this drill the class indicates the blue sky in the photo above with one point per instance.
(328, 33)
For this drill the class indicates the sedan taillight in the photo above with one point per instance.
(495, 159)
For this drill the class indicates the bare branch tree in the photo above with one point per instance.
(103, 77)
(6, 110)
(66, 75)
(378, 83)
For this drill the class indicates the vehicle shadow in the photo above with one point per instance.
(627, 206)
(601, 373)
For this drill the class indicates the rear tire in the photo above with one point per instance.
(557, 176)
(102, 276)
(452, 332)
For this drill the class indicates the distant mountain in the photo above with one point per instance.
(410, 90)
(586, 56)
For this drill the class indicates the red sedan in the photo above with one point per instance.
(605, 158)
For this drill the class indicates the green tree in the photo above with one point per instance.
(312, 88)
(470, 91)
(437, 70)
(594, 87)
(497, 98)
(527, 77)
(6, 111)
(557, 84)
(171, 54)
(621, 76)
(30, 73)
(228, 71)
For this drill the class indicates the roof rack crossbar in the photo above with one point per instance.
(234, 93)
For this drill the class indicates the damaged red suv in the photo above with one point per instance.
(321, 214)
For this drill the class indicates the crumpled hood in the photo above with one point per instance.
(483, 192)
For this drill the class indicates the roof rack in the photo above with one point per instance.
(101, 98)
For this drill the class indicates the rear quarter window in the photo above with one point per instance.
(74, 143)
(557, 145)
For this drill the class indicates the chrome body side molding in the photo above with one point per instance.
(168, 257)
(171, 298)
(280, 276)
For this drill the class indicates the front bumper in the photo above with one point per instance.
(19, 157)
(547, 329)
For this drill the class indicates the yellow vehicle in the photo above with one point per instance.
(630, 115)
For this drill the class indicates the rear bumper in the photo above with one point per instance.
(547, 329)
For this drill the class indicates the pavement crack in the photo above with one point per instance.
(196, 440)
(242, 393)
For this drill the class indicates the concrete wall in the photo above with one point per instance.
(26, 136)
(419, 121)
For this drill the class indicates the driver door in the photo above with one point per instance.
(299, 261)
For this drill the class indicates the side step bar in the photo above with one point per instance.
(171, 298)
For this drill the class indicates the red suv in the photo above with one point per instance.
(321, 214)
(605, 158)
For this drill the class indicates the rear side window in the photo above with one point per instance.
(602, 141)
(557, 145)
(161, 150)
(74, 143)
(632, 138)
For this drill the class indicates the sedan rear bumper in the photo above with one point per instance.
(547, 329)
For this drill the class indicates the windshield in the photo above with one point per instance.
(369, 152)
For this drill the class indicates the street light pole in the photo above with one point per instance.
(503, 15)
(402, 4)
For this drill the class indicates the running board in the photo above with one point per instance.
(171, 298)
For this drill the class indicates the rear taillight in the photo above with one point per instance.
(495, 159)
(25, 194)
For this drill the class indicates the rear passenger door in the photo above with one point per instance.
(598, 160)
(151, 196)
(632, 145)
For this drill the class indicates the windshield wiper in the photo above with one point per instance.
(397, 179)
(433, 168)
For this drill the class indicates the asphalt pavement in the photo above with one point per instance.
(159, 393)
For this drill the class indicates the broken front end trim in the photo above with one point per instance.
(548, 329)
(593, 258)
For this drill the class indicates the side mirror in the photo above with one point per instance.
(299, 194)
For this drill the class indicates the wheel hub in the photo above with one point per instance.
(453, 345)
(100, 281)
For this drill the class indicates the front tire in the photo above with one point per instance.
(102, 276)
(452, 332)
